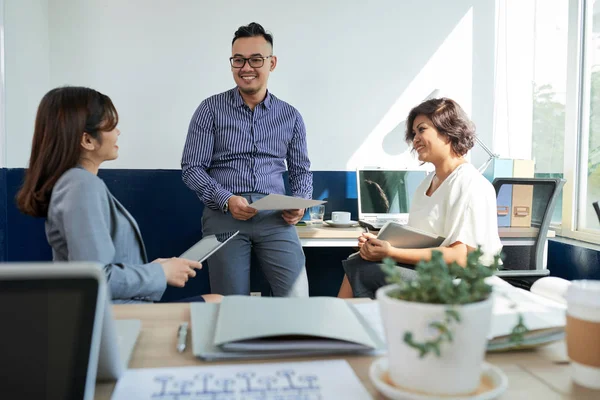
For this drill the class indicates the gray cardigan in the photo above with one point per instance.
(86, 223)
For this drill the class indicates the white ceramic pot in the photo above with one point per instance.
(458, 370)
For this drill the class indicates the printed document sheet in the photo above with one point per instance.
(314, 380)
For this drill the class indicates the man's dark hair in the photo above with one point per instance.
(251, 30)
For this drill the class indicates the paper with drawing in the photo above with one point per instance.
(320, 380)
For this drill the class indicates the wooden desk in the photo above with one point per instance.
(327, 236)
(538, 374)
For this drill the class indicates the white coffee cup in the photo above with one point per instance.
(583, 331)
(340, 217)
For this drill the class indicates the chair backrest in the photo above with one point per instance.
(545, 194)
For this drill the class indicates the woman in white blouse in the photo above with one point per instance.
(455, 202)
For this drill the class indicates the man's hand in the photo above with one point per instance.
(292, 216)
(362, 239)
(178, 270)
(239, 208)
(375, 250)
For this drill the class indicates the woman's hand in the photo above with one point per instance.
(362, 239)
(178, 270)
(375, 249)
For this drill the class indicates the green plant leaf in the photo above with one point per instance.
(436, 282)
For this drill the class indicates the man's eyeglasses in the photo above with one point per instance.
(254, 62)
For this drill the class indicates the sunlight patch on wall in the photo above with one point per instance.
(450, 70)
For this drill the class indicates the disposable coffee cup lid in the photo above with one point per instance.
(584, 293)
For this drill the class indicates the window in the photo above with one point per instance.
(550, 37)
(582, 139)
(548, 100)
(589, 185)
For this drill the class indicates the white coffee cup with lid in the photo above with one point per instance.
(583, 332)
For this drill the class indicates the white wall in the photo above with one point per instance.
(352, 69)
(2, 102)
(27, 73)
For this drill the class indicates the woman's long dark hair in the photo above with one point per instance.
(64, 114)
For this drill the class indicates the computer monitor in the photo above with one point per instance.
(386, 193)
(55, 318)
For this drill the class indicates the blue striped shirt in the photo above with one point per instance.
(231, 149)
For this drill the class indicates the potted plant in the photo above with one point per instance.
(437, 324)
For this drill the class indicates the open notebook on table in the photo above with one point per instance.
(543, 308)
(243, 327)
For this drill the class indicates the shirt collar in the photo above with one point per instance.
(268, 100)
(238, 101)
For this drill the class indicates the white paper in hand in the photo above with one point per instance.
(281, 202)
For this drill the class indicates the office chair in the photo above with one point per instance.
(525, 256)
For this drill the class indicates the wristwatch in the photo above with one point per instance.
(226, 206)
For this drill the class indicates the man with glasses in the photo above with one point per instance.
(236, 151)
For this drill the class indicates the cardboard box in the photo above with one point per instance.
(522, 195)
(522, 199)
(523, 168)
(504, 205)
(501, 168)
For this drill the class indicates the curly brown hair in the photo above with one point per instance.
(449, 119)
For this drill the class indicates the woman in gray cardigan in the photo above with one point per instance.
(75, 131)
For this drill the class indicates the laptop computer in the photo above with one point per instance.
(58, 335)
(385, 195)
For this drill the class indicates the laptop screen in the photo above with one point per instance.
(386, 192)
(45, 337)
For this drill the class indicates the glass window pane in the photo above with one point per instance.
(592, 175)
(549, 90)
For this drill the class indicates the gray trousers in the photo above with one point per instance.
(275, 243)
(366, 277)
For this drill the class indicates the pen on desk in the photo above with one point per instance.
(182, 336)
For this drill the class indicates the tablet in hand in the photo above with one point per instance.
(207, 246)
